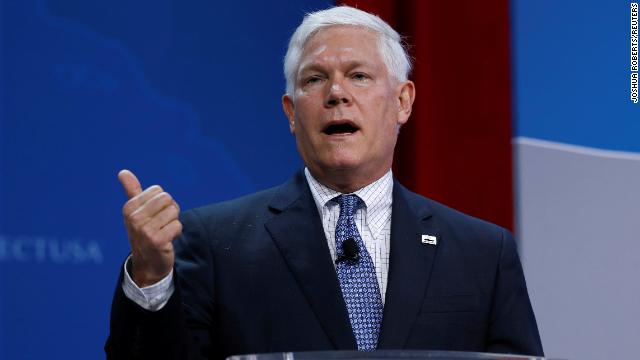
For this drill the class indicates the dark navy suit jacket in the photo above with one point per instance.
(255, 275)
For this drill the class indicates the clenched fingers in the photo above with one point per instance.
(160, 220)
(141, 199)
(145, 212)
(172, 230)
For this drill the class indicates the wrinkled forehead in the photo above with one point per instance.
(357, 33)
(341, 43)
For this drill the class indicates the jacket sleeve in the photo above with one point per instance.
(183, 328)
(512, 327)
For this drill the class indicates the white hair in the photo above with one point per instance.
(390, 45)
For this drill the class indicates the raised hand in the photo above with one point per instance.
(151, 219)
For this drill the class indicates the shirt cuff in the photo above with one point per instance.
(153, 297)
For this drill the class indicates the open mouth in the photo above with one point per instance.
(340, 129)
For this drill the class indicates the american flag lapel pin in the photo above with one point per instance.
(429, 239)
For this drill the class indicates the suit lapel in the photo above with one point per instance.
(410, 264)
(297, 231)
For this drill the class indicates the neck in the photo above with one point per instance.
(346, 181)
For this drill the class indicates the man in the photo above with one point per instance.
(341, 256)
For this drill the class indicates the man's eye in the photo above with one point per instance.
(312, 80)
(359, 76)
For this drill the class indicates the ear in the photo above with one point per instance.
(289, 111)
(406, 94)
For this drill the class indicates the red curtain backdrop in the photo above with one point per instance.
(456, 148)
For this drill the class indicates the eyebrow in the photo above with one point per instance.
(350, 64)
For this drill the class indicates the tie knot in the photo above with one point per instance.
(348, 204)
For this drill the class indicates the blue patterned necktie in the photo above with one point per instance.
(358, 278)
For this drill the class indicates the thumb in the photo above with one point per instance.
(130, 183)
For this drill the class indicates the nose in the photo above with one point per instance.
(337, 94)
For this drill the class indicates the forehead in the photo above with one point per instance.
(341, 43)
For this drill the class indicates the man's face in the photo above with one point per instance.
(347, 109)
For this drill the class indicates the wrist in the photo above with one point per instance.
(143, 277)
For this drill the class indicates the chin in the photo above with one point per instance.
(341, 166)
(343, 160)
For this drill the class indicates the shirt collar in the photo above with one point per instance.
(377, 197)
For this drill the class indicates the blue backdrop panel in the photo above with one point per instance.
(572, 73)
(186, 94)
